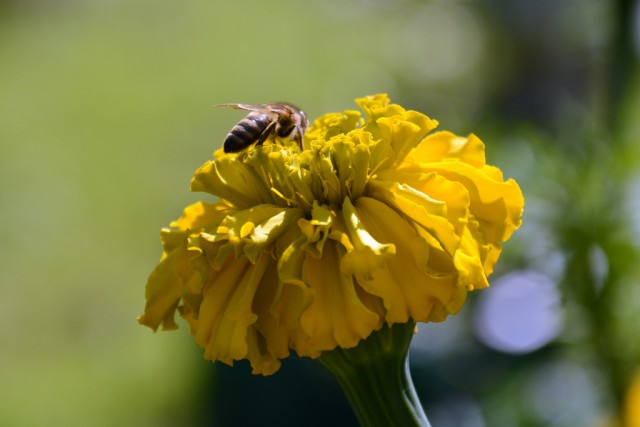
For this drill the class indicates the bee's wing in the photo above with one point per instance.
(280, 108)
(243, 107)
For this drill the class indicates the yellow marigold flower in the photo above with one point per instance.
(375, 222)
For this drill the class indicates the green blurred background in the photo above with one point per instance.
(106, 111)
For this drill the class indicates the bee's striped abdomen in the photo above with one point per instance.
(248, 131)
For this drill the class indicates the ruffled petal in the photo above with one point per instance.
(274, 327)
(232, 180)
(181, 268)
(442, 146)
(202, 216)
(497, 204)
(364, 254)
(443, 197)
(470, 259)
(402, 130)
(329, 125)
(405, 286)
(250, 231)
(425, 211)
(336, 316)
(226, 309)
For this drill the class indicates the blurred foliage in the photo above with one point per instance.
(105, 112)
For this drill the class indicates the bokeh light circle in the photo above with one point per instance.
(520, 313)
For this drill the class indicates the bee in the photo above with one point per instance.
(282, 119)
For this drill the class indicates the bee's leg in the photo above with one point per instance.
(265, 134)
(296, 135)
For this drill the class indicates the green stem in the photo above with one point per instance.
(375, 377)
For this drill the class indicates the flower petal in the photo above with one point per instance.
(470, 259)
(250, 231)
(444, 145)
(231, 179)
(274, 325)
(180, 267)
(329, 125)
(200, 216)
(311, 239)
(399, 128)
(405, 286)
(425, 211)
(364, 254)
(336, 316)
(226, 309)
(497, 204)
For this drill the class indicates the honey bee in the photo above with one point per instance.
(285, 120)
